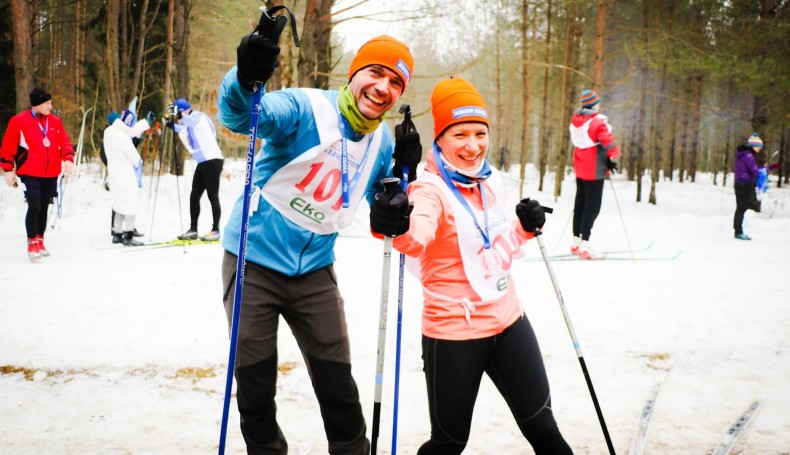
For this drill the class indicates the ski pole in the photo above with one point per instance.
(576, 344)
(174, 150)
(390, 187)
(622, 220)
(404, 182)
(158, 178)
(242, 257)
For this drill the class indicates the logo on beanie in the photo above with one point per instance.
(404, 68)
(469, 111)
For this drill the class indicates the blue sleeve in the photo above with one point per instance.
(279, 115)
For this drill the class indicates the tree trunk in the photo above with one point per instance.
(598, 49)
(525, 83)
(696, 102)
(183, 11)
(169, 53)
(659, 85)
(138, 62)
(638, 141)
(24, 79)
(543, 159)
(571, 60)
(314, 56)
(124, 64)
(111, 53)
(498, 120)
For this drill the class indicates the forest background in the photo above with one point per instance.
(682, 82)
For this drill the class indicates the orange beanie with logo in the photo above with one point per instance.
(385, 51)
(454, 101)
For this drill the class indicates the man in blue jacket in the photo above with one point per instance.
(301, 198)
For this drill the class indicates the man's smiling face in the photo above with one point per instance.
(375, 89)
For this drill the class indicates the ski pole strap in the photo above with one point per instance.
(538, 231)
(270, 15)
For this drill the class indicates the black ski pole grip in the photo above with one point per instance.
(270, 15)
(547, 209)
(406, 111)
(391, 186)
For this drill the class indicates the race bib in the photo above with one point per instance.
(487, 270)
(308, 190)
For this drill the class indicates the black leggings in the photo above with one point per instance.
(36, 217)
(586, 207)
(744, 195)
(512, 359)
(206, 179)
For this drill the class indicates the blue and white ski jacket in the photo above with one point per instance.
(196, 131)
(296, 179)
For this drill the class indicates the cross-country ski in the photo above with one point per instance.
(645, 419)
(735, 431)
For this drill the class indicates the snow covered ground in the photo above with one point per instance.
(124, 351)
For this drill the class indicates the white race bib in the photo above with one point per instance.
(308, 190)
(487, 270)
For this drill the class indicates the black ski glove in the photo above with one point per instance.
(170, 123)
(531, 214)
(611, 165)
(408, 150)
(389, 215)
(258, 53)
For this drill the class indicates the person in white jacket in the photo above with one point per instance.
(125, 172)
(197, 133)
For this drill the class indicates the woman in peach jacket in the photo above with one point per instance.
(461, 232)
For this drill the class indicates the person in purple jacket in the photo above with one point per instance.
(746, 172)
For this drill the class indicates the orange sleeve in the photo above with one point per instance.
(424, 220)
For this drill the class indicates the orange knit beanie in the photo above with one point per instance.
(385, 51)
(455, 101)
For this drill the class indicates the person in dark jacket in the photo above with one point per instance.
(746, 172)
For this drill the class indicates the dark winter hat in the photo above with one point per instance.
(589, 98)
(128, 117)
(182, 104)
(39, 96)
(112, 117)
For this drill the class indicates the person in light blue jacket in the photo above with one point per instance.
(301, 198)
(196, 131)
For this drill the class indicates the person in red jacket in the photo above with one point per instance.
(33, 147)
(593, 158)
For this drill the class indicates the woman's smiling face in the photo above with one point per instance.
(464, 145)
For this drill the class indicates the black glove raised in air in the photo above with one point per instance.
(258, 53)
(531, 214)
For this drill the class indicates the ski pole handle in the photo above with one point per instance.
(271, 15)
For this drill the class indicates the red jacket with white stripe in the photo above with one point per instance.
(593, 143)
(23, 145)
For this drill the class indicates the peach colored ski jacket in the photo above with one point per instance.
(452, 310)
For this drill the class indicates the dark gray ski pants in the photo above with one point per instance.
(312, 307)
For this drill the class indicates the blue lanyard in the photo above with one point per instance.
(443, 172)
(348, 187)
(44, 128)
